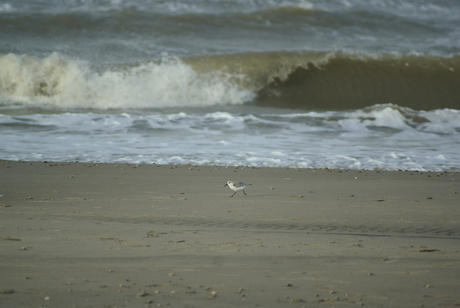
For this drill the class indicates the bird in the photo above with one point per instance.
(237, 186)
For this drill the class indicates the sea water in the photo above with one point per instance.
(303, 84)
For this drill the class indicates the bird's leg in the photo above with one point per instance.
(233, 194)
(244, 192)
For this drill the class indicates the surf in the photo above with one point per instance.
(292, 80)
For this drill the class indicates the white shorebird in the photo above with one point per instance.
(237, 186)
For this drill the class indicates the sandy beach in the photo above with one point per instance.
(119, 235)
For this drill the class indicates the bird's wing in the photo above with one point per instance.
(239, 184)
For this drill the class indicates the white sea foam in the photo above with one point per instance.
(58, 82)
(377, 139)
(6, 8)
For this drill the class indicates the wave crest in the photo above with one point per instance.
(302, 80)
(58, 82)
(331, 81)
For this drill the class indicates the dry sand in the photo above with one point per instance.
(107, 235)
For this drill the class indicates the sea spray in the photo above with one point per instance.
(298, 80)
(56, 81)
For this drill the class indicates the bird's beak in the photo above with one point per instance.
(225, 185)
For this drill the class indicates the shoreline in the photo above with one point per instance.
(93, 234)
(189, 165)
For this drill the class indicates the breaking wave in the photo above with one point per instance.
(302, 80)
(332, 81)
(58, 82)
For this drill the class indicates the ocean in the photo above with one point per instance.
(348, 84)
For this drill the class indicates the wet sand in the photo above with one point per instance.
(116, 235)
